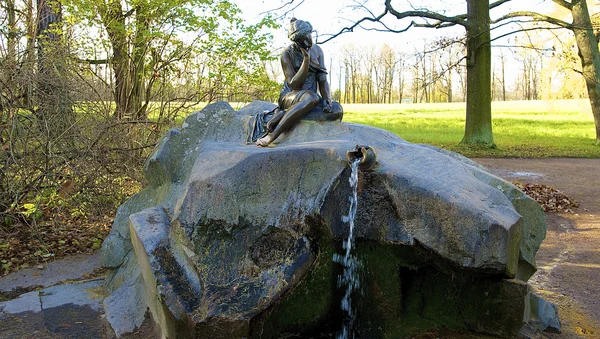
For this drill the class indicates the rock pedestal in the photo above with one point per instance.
(232, 240)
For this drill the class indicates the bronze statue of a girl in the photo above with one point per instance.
(305, 75)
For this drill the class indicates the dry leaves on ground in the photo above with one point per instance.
(551, 199)
(33, 245)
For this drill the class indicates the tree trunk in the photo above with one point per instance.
(425, 94)
(140, 48)
(53, 102)
(535, 79)
(390, 84)
(400, 85)
(503, 79)
(29, 65)
(353, 75)
(340, 84)
(590, 57)
(11, 45)
(346, 83)
(449, 86)
(129, 90)
(114, 23)
(478, 126)
(48, 16)
(416, 83)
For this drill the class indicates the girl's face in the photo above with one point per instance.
(305, 41)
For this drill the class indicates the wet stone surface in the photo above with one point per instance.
(225, 234)
(63, 311)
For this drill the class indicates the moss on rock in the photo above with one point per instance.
(308, 307)
(404, 295)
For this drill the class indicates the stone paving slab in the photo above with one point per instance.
(28, 302)
(63, 311)
(90, 293)
(69, 268)
(65, 304)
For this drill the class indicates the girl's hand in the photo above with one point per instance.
(327, 105)
(305, 53)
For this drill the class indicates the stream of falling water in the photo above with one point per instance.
(349, 278)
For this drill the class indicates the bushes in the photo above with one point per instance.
(64, 168)
(75, 129)
(59, 194)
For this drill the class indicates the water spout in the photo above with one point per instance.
(349, 278)
(366, 155)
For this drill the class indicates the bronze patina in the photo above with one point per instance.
(305, 75)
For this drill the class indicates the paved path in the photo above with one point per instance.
(569, 258)
(65, 301)
(74, 267)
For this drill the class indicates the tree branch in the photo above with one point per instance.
(498, 3)
(356, 24)
(525, 47)
(441, 19)
(130, 12)
(94, 61)
(132, 149)
(289, 3)
(390, 30)
(564, 3)
(536, 17)
(522, 30)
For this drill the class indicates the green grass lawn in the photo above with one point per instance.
(559, 128)
(563, 128)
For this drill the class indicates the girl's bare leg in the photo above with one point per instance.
(291, 117)
(272, 124)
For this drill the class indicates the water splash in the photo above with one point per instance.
(349, 278)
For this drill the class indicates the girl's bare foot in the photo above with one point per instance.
(264, 141)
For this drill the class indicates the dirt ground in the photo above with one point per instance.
(569, 258)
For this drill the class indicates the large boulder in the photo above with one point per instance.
(231, 240)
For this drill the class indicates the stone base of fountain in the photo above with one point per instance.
(401, 296)
(231, 240)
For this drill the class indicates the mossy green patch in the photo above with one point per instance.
(404, 294)
(381, 302)
(309, 304)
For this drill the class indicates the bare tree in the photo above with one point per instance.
(478, 126)
(503, 74)
(11, 49)
(54, 98)
(587, 44)
(445, 55)
(401, 76)
(370, 60)
(352, 60)
(416, 78)
(529, 81)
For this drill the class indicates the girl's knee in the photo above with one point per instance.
(312, 97)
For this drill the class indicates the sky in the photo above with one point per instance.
(330, 16)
